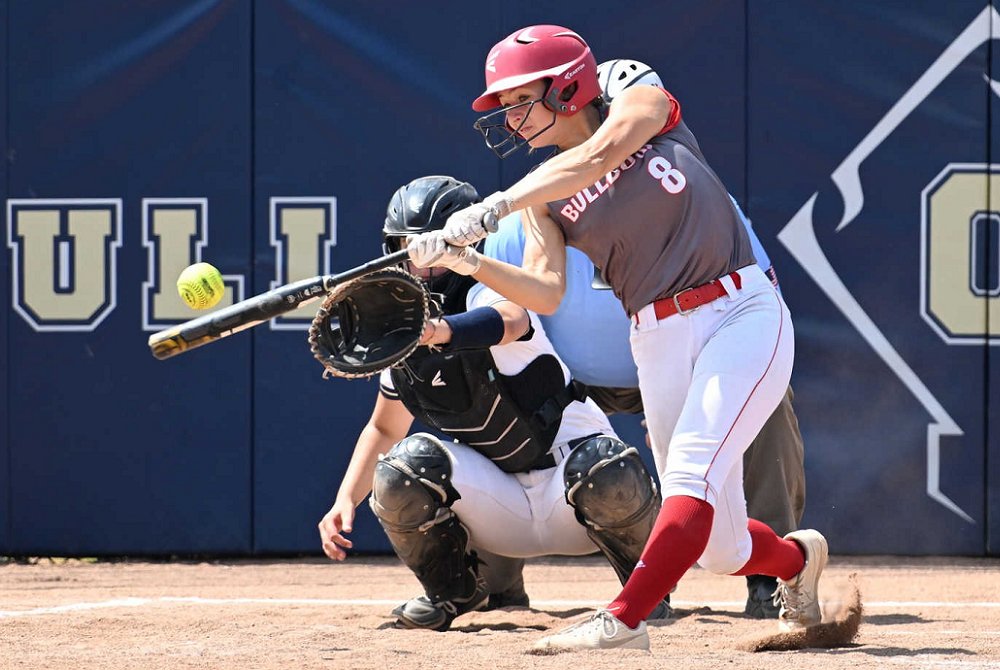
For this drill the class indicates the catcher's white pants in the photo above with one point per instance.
(709, 381)
(518, 515)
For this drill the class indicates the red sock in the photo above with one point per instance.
(772, 555)
(679, 537)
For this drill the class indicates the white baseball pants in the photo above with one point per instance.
(519, 515)
(709, 380)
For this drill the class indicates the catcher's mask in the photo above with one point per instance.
(421, 206)
(553, 54)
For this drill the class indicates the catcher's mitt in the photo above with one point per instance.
(369, 324)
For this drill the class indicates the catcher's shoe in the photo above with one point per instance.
(760, 597)
(421, 612)
(601, 630)
(662, 611)
(515, 596)
(799, 597)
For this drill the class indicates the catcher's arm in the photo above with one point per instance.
(258, 309)
(389, 423)
(515, 325)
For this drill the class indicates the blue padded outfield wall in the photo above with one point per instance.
(266, 137)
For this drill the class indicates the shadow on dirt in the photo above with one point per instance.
(902, 651)
(500, 627)
(895, 619)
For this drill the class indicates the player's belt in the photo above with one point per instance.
(549, 459)
(691, 299)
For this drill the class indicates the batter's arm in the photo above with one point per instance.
(540, 283)
(636, 115)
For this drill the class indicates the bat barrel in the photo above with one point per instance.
(256, 310)
(234, 318)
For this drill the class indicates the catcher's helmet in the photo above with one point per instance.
(423, 205)
(615, 76)
(554, 54)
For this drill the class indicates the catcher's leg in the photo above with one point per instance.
(505, 577)
(774, 483)
(411, 497)
(616, 499)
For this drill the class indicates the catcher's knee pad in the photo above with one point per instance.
(614, 497)
(411, 497)
(412, 483)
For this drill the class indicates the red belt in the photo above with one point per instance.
(691, 299)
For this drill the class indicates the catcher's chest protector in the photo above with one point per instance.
(510, 420)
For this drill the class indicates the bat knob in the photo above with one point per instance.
(491, 222)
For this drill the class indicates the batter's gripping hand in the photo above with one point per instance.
(429, 250)
(468, 226)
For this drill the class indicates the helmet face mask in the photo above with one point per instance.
(430, 276)
(504, 139)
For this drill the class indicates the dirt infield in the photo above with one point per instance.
(313, 613)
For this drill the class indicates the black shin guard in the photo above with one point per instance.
(614, 497)
(411, 497)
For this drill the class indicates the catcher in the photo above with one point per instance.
(534, 468)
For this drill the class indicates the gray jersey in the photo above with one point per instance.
(658, 224)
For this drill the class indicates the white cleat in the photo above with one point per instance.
(602, 630)
(799, 597)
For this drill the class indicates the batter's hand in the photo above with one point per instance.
(469, 225)
(429, 250)
(335, 523)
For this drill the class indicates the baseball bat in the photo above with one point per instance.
(253, 311)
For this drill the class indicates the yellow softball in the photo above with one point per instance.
(201, 286)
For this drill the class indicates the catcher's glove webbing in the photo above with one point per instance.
(369, 324)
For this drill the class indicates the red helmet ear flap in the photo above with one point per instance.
(558, 99)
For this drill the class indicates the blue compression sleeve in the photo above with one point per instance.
(479, 328)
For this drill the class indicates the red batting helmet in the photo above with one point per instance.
(542, 52)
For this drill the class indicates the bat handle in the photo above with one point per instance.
(387, 261)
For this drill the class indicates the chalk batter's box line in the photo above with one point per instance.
(140, 602)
